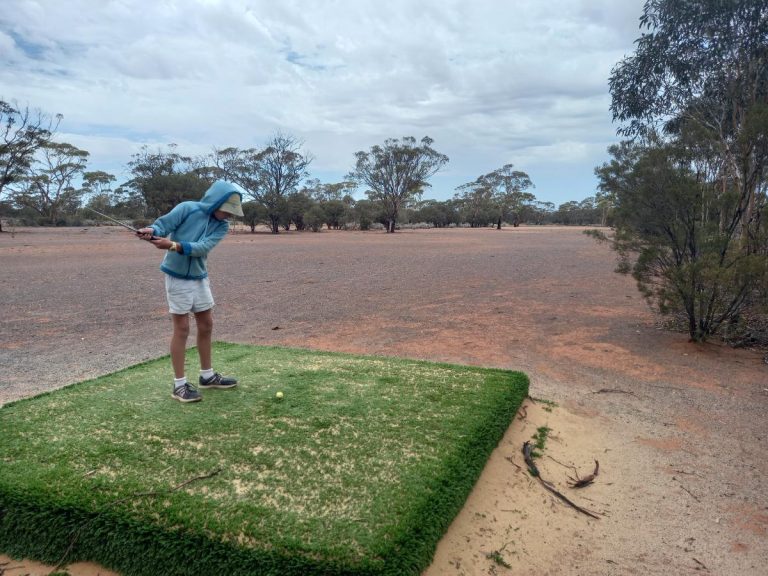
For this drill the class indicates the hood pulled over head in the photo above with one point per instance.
(218, 194)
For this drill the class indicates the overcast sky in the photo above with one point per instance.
(492, 82)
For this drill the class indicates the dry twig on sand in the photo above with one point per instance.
(535, 472)
(587, 480)
(509, 458)
(701, 565)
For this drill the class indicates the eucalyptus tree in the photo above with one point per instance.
(669, 215)
(325, 192)
(365, 213)
(97, 190)
(299, 203)
(503, 192)
(691, 188)
(477, 203)
(272, 173)
(226, 163)
(578, 213)
(254, 214)
(438, 214)
(703, 65)
(612, 176)
(50, 184)
(541, 212)
(315, 217)
(163, 178)
(396, 173)
(334, 199)
(337, 212)
(22, 133)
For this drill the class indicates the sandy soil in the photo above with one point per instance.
(679, 429)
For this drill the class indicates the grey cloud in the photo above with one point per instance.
(488, 80)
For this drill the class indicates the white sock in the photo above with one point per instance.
(179, 382)
(206, 374)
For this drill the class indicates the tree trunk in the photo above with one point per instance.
(275, 222)
(692, 329)
(498, 224)
(395, 210)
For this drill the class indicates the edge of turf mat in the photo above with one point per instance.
(49, 528)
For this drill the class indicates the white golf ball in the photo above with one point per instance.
(279, 395)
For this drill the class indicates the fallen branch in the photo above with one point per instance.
(509, 458)
(587, 480)
(535, 472)
(564, 465)
(701, 564)
(691, 494)
(686, 472)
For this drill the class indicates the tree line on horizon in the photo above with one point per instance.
(45, 182)
(685, 192)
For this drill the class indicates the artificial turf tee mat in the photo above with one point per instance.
(357, 470)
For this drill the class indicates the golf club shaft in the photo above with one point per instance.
(124, 225)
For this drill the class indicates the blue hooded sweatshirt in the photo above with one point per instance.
(194, 226)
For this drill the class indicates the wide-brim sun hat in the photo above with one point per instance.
(232, 205)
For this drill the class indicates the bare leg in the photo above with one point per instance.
(204, 330)
(179, 343)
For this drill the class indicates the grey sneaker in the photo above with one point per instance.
(186, 393)
(217, 381)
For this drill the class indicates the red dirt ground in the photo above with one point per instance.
(679, 429)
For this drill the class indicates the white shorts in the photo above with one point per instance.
(185, 296)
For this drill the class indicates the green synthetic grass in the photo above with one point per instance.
(358, 470)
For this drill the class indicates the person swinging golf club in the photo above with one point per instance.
(188, 233)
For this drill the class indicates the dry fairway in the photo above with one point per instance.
(683, 457)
